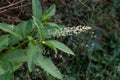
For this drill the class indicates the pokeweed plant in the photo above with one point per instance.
(25, 43)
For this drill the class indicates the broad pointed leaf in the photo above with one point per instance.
(13, 40)
(49, 13)
(40, 28)
(36, 9)
(19, 56)
(33, 51)
(48, 66)
(10, 29)
(24, 28)
(50, 45)
(61, 46)
(6, 27)
(6, 73)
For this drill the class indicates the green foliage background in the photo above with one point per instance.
(97, 52)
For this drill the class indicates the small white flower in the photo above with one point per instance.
(95, 36)
(70, 31)
(118, 69)
(92, 32)
(60, 56)
(37, 70)
(86, 45)
(93, 44)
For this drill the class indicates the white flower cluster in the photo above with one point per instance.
(118, 69)
(70, 31)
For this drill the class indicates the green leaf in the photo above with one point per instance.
(6, 27)
(53, 25)
(17, 56)
(4, 42)
(36, 9)
(51, 46)
(16, 66)
(40, 28)
(13, 40)
(33, 51)
(6, 73)
(48, 32)
(10, 29)
(30, 38)
(61, 46)
(24, 28)
(49, 13)
(7, 76)
(48, 66)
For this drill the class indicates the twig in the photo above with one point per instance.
(11, 5)
(15, 7)
(13, 20)
(83, 3)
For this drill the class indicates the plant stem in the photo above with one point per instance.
(15, 48)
